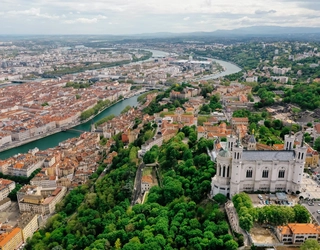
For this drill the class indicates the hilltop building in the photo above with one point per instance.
(251, 170)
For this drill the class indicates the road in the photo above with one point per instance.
(137, 184)
(313, 210)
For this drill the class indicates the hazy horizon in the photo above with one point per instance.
(124, 17)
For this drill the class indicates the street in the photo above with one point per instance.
(137, 184)
(313, 210)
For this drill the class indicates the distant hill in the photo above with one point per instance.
(247, 31)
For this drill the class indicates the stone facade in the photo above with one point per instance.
(241, 170)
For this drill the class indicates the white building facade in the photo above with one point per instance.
(240, 170)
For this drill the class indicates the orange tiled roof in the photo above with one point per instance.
(317, 128)
(201, 129)
(147, 178)
(278, 146)
(9, 236)
(303, 228)
(240, 119)
(284, 230)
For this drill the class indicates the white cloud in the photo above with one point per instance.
(101, 17)
(82, 20)
(86, 20)
(137, 16)
(33, 12)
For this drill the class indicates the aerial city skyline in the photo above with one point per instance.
(159, 125)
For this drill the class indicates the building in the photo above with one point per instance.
(146, 183)
(44, 181)
(240, 170)
(25, 168)
(6, 186)
(35, 199)
(12, 240)
(297, 232)
(316, 131)
(28, 222)
(156, 140)
(212, 132)
(312, 158)
(148, 179)
(252, 79)
(4, 204)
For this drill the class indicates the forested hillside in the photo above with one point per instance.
(176, 215)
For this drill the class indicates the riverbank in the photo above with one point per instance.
(62, 130)
(53, 138)
(35, 138)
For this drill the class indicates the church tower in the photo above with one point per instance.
(231, 142)
(300, 159)
(252, 143)
(236, 168)
(288, 142)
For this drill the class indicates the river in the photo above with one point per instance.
(53, 140)
(230, 69)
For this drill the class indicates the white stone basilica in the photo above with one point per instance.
(239, 170)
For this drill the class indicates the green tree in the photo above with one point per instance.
(317, 144)
(117, 245)
(301, 214)
(220, 198)
(231, 245)
(310, 244)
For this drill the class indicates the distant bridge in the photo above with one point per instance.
(79, 130)
(75, 130)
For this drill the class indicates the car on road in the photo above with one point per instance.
(260, 196)
(318, 211)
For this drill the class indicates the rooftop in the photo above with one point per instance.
(266, 155)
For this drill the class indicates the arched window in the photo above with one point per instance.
(249, 173)
(228, 171)
(281, 173)
(265, 173)
(224, 171)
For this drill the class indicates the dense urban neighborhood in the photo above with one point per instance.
(220, 149)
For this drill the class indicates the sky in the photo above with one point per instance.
(150, 16)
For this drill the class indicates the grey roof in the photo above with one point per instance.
(252, 139)
(264, 155)
(224, 153)
(281, 196)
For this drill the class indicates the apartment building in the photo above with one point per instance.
(44, 181)
(212, 132)
(5, 138)
(4, 204)
(6, 186)
(28, 222)
(37, 200)
(25, 168)
(12, 240)
(4, 164)
(20, 134)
